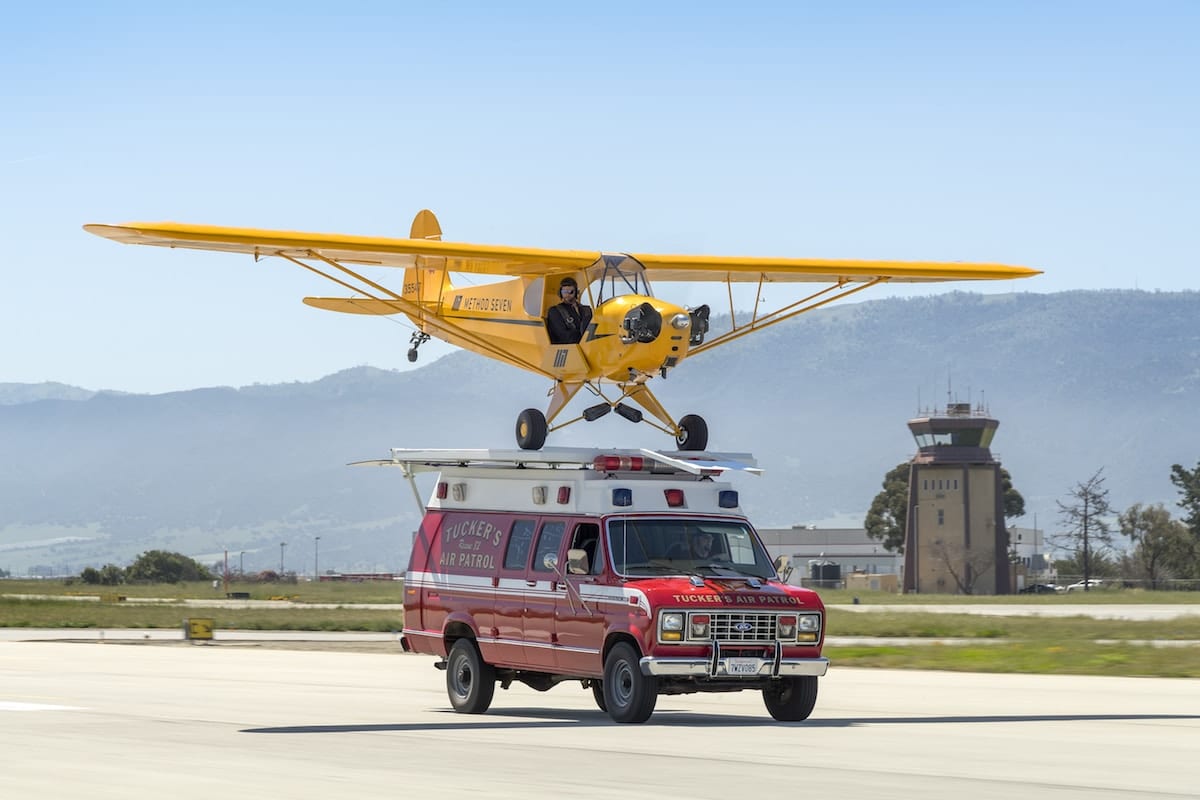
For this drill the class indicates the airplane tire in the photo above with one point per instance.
(693, 433)
(531, 429)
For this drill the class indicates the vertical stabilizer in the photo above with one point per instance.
(428, 281)
(425, 226)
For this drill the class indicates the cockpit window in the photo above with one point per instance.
(618, 275)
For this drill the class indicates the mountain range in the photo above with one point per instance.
(1079, 381)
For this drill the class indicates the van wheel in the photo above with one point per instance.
(470, 682)
(598, 695)
(791, 699)
(629, 695)
(531, 429)
(693, 433)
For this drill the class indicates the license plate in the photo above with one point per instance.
(741, 666)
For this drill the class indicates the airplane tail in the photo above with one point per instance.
(428, 281)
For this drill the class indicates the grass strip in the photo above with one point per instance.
(1030, 657)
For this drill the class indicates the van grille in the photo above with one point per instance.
(742, 627)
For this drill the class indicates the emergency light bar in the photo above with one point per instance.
(696, 463)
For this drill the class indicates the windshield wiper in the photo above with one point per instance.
(725, 569)
(660, 569)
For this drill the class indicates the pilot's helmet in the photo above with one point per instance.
(568, 282)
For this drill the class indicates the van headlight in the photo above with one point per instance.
(672, 626)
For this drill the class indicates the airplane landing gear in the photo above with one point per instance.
(693, 433)
(531, 429)
(418, 338)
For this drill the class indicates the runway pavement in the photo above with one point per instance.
(109, 720)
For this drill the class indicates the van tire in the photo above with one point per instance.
(791, 699)
(470, 682)
(598, 695)
(531, 429)
(629, 695)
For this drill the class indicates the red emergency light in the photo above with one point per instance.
(618, 463)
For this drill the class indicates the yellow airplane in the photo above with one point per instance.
(631, 337)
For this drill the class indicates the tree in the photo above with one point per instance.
(965, 566)
(1188, 483)
(108, 575)
(1085, 531)
(1162, 546)
(1014, 503)
(160, 566)
(887, 518)
(111, 575)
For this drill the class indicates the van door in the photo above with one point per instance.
(426, 550)
(579, 617)
(508, 619)
(542, 590)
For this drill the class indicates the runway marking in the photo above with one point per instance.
(10, 705)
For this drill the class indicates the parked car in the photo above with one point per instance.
(1094, 583)
(1042, 588)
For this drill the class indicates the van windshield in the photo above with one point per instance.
(642, 548)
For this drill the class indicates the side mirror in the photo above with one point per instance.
(577, 562)
(783, 568)
(550, 561)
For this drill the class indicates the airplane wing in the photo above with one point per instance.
(800, 270)
(367, 250)
(502, 260)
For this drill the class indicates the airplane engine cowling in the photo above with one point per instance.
(641, 324)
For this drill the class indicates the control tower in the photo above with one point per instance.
(956, 542)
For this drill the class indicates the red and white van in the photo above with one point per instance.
(632, 572)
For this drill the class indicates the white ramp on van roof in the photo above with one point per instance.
(694, 462)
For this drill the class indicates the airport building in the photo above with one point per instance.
(828, 557)
(956, 542)
(956, 539)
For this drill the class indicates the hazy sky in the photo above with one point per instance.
(1061, 135)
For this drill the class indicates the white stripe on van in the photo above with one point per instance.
(480, 585)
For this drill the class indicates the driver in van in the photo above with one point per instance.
(702, 545)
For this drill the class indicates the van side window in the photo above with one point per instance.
(548, 542)
(587, 539)
(518, 544)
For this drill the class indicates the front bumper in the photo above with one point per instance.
(717, 665)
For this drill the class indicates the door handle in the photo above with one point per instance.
(531, 583)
